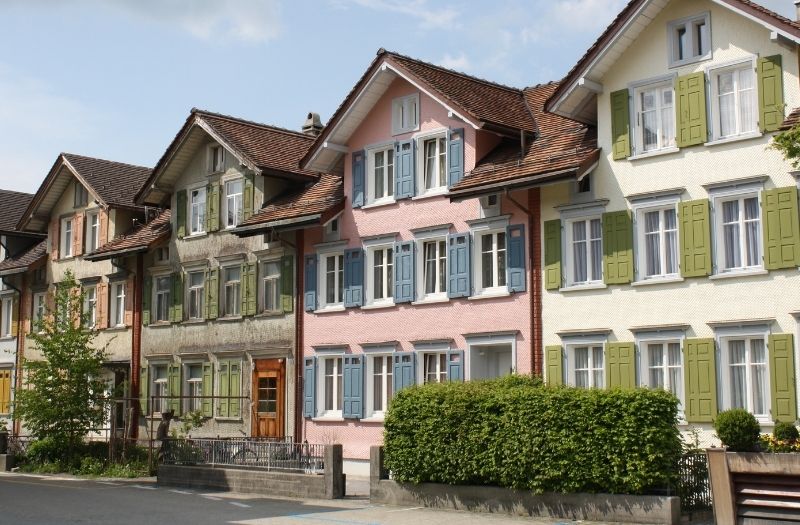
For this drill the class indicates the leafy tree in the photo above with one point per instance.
(65, 395)
(788, 143)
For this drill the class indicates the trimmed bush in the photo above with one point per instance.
(516, 433)
(785, 432)
(738, 430)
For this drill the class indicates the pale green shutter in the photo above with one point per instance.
(782, 378)
(174, 388)
(552, 254)
(620, 365)
(770, 93)
(695, 238)
(176, 312)
(212, 207)
(147, 294)
(235, 368)
(208, 389)
(144, 390)
(555, 365)
(249, 291)
(700, 380)
(617, 247)
(248, 195)
(180, 215)
(781, 221)
(224, 389)
(287, 283)
(620, 125)
(212, 293)
(690, 110)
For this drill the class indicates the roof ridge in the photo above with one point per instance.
(15, 192)
(299, 134)
(383, 51)
(66, 154)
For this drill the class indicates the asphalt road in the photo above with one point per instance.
(45, 500)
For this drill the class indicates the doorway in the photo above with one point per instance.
(490, 361)
(269, 406)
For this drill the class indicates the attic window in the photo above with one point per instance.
(689, 40)
(81, 196)
(405, 114)
(585, 184)
(216, 158)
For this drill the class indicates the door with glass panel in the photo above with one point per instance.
(269, 406)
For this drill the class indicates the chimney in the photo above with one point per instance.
(797, 10)
(313, 124)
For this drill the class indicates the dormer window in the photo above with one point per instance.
(216, 158)
(81, 196)
(690, 40)
(405, 114)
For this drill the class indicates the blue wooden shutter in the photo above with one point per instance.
(455, 365)
(404, 169)
(353, 277)
(309, 386)
(458, 265)
(455, 155)
(357, 160)
(515, 266)
(404, 272)
(404, 370)
(353, 385)
(311, 283)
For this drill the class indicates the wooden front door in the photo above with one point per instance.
(269, 394)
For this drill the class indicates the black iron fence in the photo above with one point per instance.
(693, 485)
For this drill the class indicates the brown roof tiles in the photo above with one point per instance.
(139, 238)
(13, 204)
(115, 183)
(25, 260)
(792, 120)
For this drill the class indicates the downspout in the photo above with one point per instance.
(136, 344)
(15, 423)
(298, 336)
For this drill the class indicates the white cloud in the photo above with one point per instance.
(429, 17)
(576, 16)
(459, 63)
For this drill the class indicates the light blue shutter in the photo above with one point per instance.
(309, 386)
(353, 385)
(515, 267)
(455, 155)
(357, 160)
(353, 277)
(311, 283)
(458, 265)
(404, 272)
(455, 365)
(404, 370)
(404, 168)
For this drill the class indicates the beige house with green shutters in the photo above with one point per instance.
(674, 261)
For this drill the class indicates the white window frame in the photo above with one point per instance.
(386, 393)
(640, 247)
(90, 305)
(159, 387)
(569, 256)
(441, 293)
(67, 224)
(275, 280)
(199, 293)
(201, 218)
(116, 316)
(369, 178)
(158, 293)
(637, 113)
(387, 286)
(402, 107)
(190, 384)
(477, 251)
(438, 135)
(440, 361)
(489, 340)
(712, 74)
(39, 303)
(688, 24)
(237, 203)
(92, 234)
(591, 343)
(337, 388)
(220, 166)
(322, 279)
(6, 316)
(723, 375)
(721, 196)
(663, 338)
(226, 284)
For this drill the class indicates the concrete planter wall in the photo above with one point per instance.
(596, 507)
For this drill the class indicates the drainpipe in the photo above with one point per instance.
(136, 344)
(299, 314)
(15, 423)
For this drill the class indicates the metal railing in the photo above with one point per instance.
(693, 486)
(267, 454)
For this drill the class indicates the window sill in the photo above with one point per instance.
(118, 328)
(229, 419)
(431, 300)
(581, 287)
(430, 194)
(656, 153)
(330, 309)
(490, 295)
(159, 324)
(740, 273)
(378, 204)
(229, 319)
(735, 138)
(195, 236)
(658, 280)
(373, 419)
(194, 321)
(328, 419)
(268, 314)
(378, 306)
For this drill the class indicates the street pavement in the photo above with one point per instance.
(45, 500)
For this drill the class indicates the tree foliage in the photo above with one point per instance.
(788, 144)
(64, 396)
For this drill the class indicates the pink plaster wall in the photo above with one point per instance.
(405, 323)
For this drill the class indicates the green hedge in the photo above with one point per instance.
(514, 432)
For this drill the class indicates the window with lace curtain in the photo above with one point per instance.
(745, 374)
(738, 220)
(584, 242)
(734, 102)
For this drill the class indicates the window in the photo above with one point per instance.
(162, 254)
(162, 298)
(332, 279)
(194, 387)
(66, 238)
(658, 241)
(662, 366)
(216, 159)
(490, 206)
(746, 374)
(332, 230)
(587, 366)
(405, 114)
(434, 163)
(434, 268)
(492, 261)
(734, 106)
(655, 117)
(271, 287)
(92, 231)
(233, 203)
(90, 305)
(434, 367)
(380, 285)
(739, 234)
(117, 314)
(6, 316)
(39, 308)
(159, 388)
(690, 40)
(232, 290)
(584, 251)
(197, 211)
(331, 386)
(379, 372)
(196, 282)
(80, 196)
(381, 174)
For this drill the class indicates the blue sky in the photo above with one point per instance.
(116, 78)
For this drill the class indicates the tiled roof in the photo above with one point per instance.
(23, 261)
(562, 145)
(115, 183)
(318, 197)
(140, 237)
(792, 120)
(13, 204)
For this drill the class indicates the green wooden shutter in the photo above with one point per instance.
(212, 207)
(249, 291)
(782, 378)
(174, 388)
(770, 93)
(180, 215)
(617, 247)
(695, 238)
(147, 294)
(700, 380)
(144, 390)
(287, 283)
(555, 365)
(176, 312)
(235, 382)
(781, 223)
(621, 365)
(552, 254)
(690, 110)
(212, 293)
(207, 407)
(620, 125)
(248, 196)
(224, 389)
